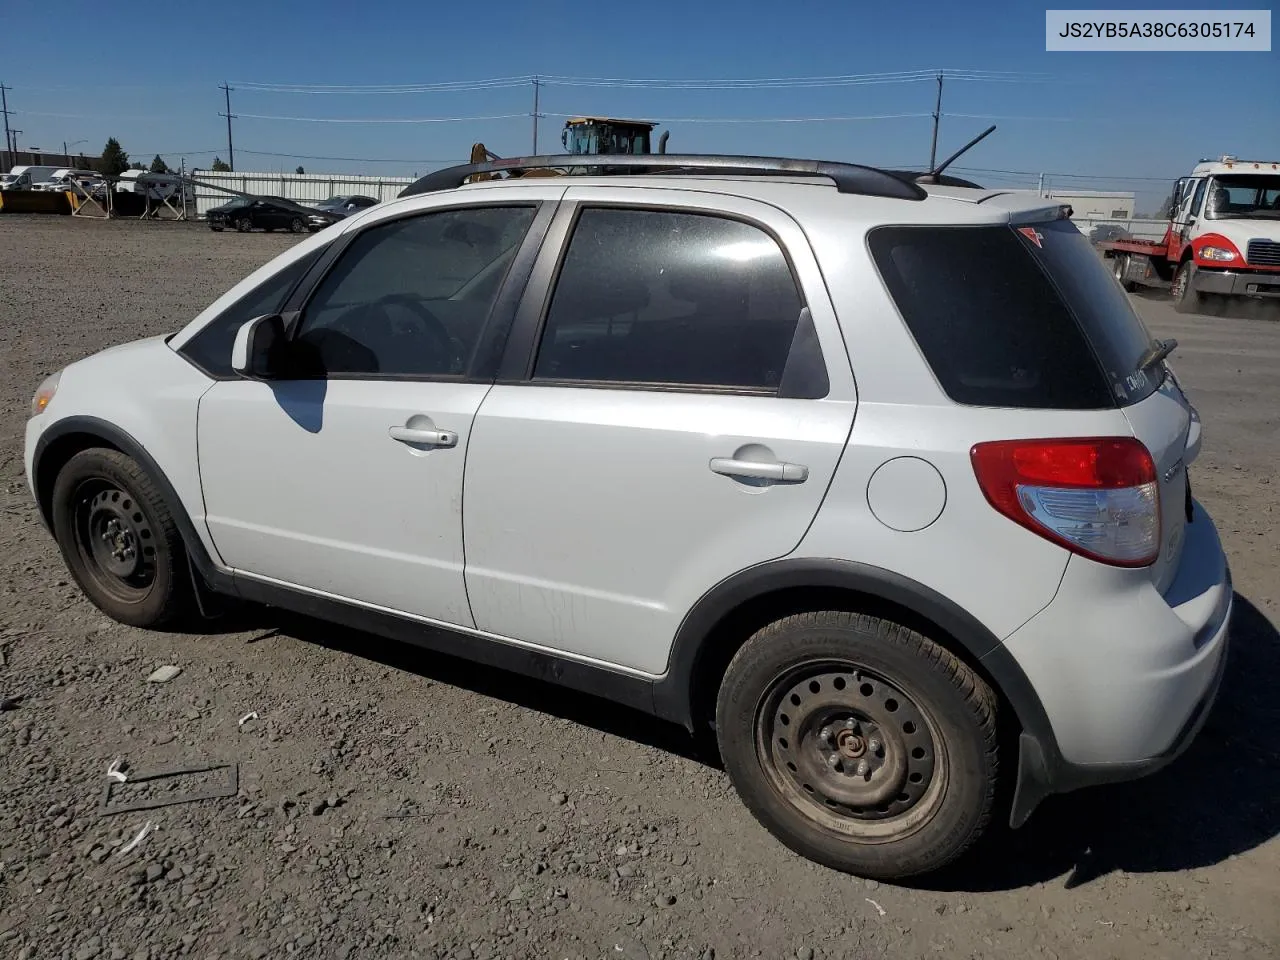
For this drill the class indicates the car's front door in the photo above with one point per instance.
(674, 402)
(348, 481)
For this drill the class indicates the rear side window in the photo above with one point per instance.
(1015, 317)
(210, 349)
(664, 298)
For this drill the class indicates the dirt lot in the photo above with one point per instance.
(397, 805)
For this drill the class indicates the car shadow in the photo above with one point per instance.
(605, 716)
(1214, 802)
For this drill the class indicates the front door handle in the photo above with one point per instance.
(755, 470)
(426, 438)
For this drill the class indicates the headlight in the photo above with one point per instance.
(1217, 253)
(44, 393)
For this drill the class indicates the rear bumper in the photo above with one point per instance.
(1238, 283)
(1126, 675)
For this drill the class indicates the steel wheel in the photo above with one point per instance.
(851, 750)
(115, 540)
(1185, 297)
(1179, 288)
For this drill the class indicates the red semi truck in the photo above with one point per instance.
(1223, 237)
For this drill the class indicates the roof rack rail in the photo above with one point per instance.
(941, 179)
(848, 177)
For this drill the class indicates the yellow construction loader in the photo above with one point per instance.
(587, 136)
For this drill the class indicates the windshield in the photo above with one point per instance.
(581, 140)
(1238, 196)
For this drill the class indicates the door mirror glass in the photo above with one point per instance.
(255, 353)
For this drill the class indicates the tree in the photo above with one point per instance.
(158, 165)
(114, 160)
(220, 166)
(299, 169)
(137, 166)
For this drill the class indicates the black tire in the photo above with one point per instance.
(932, 718)
(1185, 297)
(147, 584)
(1120, 263)
(297, 225)
(244, 225)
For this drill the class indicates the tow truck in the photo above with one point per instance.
(1222, 239)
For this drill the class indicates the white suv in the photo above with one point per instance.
(884, 483)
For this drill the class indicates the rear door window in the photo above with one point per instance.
(1024, 317)
(668, 298)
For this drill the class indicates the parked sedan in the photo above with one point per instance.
(339, 207)
(264, 213)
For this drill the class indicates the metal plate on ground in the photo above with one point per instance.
(227, 786)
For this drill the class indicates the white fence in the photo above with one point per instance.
(1138, 229)
(300, 187)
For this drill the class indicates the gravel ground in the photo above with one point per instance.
(395, 805)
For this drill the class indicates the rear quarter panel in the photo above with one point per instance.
(998, 571)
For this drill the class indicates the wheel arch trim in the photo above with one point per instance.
(675, 692)
(120, 439)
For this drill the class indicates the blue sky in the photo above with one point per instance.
(1100, 116)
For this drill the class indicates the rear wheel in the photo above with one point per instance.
(859, 743)
(119, 540)
(1185, 297)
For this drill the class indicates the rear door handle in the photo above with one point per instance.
(426, 438)
(755, 470)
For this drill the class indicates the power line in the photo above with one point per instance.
(513, 116)
(1073, 176)
(502, 116)
(671, 83)
(450, 86)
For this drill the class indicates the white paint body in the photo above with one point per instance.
(586, 521)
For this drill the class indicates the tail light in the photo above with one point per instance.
(1096, 496)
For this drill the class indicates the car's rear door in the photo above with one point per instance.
(674, 401)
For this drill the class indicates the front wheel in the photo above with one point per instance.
(1185, 297)
(119, 540)
(859, 743)
(244, 224)
(1119, 265)
(297, 225)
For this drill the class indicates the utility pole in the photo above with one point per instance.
(231, 150)
(9, 145)
(937, 116)
(535, 116)
(1040, 186)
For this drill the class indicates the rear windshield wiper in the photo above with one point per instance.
(1158, 351)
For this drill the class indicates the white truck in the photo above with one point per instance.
(25, 178)
(1222, 240)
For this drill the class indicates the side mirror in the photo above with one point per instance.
(257, 345)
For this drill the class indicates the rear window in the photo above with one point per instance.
(1025, 317)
